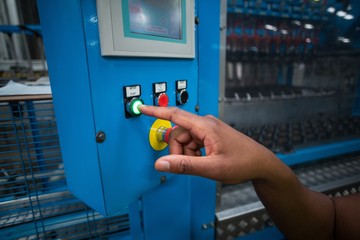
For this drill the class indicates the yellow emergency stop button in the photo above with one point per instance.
(157, 132)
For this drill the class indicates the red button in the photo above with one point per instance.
(162, 100)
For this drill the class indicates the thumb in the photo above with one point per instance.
(183, 164)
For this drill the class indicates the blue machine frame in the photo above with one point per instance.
(88, 98)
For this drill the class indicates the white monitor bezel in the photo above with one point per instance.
(114, 42)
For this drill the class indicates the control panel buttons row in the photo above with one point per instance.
(132, 96)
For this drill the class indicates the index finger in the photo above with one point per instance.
(176, 115)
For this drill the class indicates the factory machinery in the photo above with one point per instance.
(289, 79)
(291, 82)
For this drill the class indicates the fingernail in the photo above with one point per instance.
(163, 166)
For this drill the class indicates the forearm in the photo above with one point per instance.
(347, 217)
(298, 212)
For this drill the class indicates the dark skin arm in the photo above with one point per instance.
(231, 157)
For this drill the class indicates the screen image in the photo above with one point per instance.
(158, 18)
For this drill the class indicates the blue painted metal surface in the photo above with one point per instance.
(203, 191)
(68, 70)
(135, 210)
(267, 233)
(167, 210)
(320, 152)
(29, 29)
(88, 97)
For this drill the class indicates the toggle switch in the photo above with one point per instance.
(161, 99)
(182, 95)
(132, 100)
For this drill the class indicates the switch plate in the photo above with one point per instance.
(130, 93)
(182, 95)
(160, 97)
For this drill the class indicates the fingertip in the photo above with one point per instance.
(162, 165)
(145, 109)
(141, 107)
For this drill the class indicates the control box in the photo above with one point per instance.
(106, 58)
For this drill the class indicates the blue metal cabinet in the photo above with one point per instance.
(88, 97)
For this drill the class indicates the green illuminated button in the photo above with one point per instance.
(132, 106)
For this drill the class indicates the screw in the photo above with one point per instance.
(197, 108)
(100, 137)
(197, 20)
(207, 226)
(163, 179)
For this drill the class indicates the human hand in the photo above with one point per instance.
(231, 157)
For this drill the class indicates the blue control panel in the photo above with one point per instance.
(108, 157)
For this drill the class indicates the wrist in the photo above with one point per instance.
(269, 166)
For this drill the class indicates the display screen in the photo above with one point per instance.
(159, 18)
